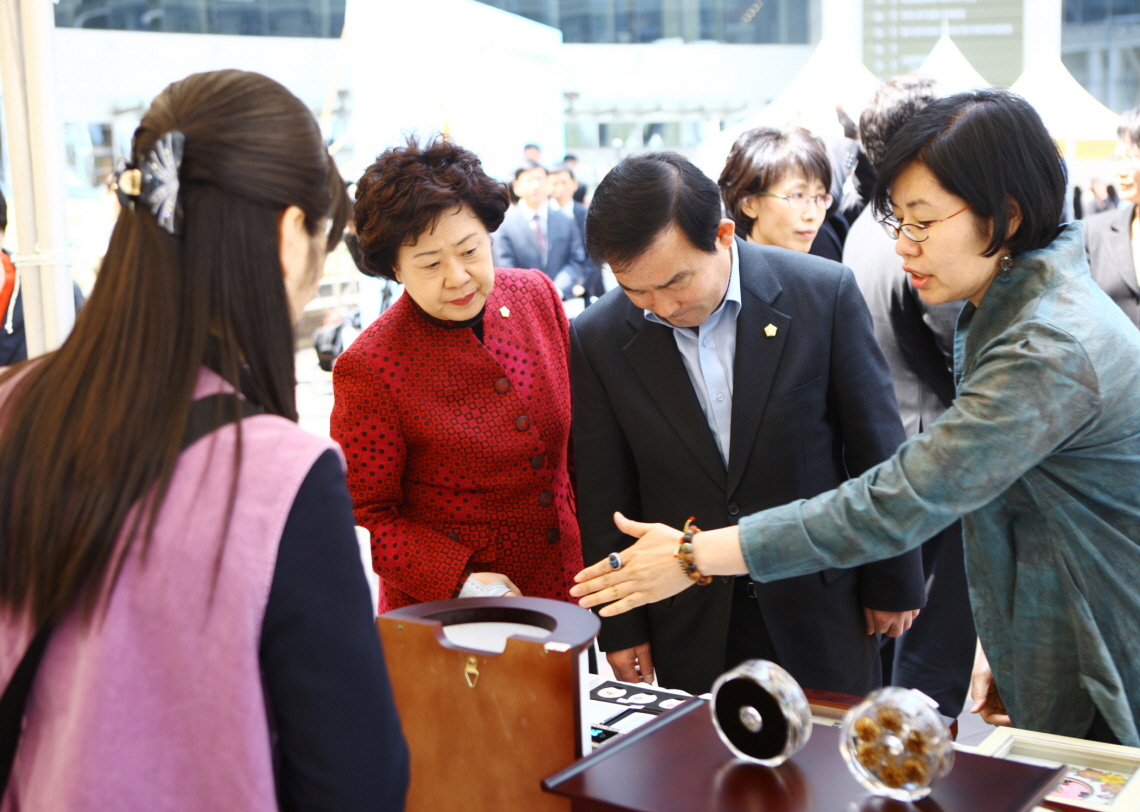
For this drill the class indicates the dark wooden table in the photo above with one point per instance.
(678, 764)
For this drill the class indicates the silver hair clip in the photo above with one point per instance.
(155, 184)
(160, 181)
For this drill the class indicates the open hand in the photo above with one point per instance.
(649, 571)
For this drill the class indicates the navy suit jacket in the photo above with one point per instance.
(515, 246)
(812, 406)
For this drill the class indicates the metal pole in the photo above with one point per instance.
(36, 148)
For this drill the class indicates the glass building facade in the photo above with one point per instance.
(272, 18)
(1095, 11)
(639, 21)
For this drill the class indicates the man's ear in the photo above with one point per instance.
(726, 232)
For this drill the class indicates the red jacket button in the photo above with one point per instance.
(536, 461)
(502, 386)
(522, 423)
(546, 499)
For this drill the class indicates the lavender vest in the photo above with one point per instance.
(158, 703)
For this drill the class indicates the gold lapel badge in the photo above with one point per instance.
(505, 312)
(770, 330)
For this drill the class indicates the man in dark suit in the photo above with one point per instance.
(937, 654)
(562, 186)
(535, 236)
(724, 378)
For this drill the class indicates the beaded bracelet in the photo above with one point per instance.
(684, 554)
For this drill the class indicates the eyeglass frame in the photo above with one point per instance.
(894, 231)
(812, 198)
(1130, 157)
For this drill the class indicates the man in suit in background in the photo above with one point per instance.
(724, 378)
(937, 654)
(562, 186)
(534, 235)
(571, 160)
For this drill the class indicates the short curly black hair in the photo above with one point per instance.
(404, 193)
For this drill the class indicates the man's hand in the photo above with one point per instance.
(892, 624)
(632, 664)
(984, 692)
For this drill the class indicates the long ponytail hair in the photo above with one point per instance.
(93, 431)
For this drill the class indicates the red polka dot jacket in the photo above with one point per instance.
(458, 452)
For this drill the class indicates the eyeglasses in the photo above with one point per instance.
(913, 231)
(798, 200)
(1131, 157)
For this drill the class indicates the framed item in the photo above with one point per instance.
(1100, 776)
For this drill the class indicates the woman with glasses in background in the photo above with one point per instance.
(1039, 453)
(774, 186)
(1111, 236)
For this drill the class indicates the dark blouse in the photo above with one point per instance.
(339, 743)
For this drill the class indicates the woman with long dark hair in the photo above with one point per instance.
(192, 576)
(1039, 453)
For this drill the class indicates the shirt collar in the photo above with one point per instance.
(731, 297)
(529, 213)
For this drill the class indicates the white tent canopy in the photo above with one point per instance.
(491, 80)
(832, 76)
(948, 66)
(1069, 111)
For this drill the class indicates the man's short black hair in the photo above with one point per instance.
(3, 213)
(529, 165)
(895, 103)
(563, 167)
(989, 147)
(569, 156)
(641, 197)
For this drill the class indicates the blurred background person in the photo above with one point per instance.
(532, 153)
(563, 186)
(1111, 235)
(775, 188)
(1103, 197)
(13, 340)
(453, 408)
(194, 576)
(571, 160)
(533, 235)
(936, 655)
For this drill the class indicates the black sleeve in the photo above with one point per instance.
(863, 397)
(340, 743)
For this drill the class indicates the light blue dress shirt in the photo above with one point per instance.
(709, 355)
(1039, 454)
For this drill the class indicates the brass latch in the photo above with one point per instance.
(471, 672)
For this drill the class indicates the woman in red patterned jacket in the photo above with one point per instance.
(453, 408)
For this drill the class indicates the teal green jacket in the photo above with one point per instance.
(1040, 456)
